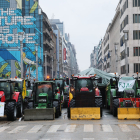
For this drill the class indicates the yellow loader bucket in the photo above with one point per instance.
(128, 113)
(86, 113)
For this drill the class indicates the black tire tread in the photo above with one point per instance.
(56, 105)
(99, 103)
(115, 107)
(30, 105)
(10, 111)
(19, 102)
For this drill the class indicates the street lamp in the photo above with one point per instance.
(36, 61)
(21, 38)
(126, 59)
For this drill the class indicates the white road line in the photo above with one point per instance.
(88, 128)
(44, 139)
(53, 128)
(4, 128)
(124, 128)
(17, 129)
(35, 129)
(70, 128)
(107, 128)
(138, 126)
(113, 139)
(88, 138)
(22, 139)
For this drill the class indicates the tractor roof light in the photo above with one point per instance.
(34, 80)
(48, 77)
(15, 77)
(137, 73)
(54, 79)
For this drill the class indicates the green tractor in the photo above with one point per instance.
(125, 95)
(46, 102)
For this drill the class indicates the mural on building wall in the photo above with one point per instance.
(12, 21)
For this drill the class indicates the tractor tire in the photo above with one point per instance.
(30, 105)
(99, 103)
(20, 107)
(11, 111)
(115, 107)
(65, 101)
(57, 108)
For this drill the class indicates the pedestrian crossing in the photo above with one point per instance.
(70, 128)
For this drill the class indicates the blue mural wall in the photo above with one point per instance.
(20, 16)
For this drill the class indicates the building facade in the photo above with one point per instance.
(21, 16)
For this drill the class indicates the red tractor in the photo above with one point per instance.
(11, 98)
(84, 94)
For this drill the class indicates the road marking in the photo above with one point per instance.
(88, 128)
(113, 139)
(22, 139)
(88, 138)
(70, 128)
(107, 128)
(4, 128)
(35, 129)
(53, 128)
(124, 128)
(17, 129)
(138, 126)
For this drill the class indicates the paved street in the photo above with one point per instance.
(108, 128)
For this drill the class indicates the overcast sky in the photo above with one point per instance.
(85, 20)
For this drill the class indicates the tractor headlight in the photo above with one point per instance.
(42, 100)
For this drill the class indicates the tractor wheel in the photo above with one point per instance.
(98, 103)
(65, 101)
(68, 110)
(72, 104)
(115, 107)
(19, 106)
(30, 105)
(57, 108)
(11, 111)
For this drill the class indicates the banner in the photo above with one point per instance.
(2, 109)
(123, 84)
(64, 52)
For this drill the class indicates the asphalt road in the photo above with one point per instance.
(108, 128)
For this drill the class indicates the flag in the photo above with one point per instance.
(24, 90)
(34, 7)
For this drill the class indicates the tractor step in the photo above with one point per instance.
(39, 114)
(85, 113)
(128, 113)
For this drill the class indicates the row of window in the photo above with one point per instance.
(136, 3)
(125, 6)
(106, 49)
(136, 51)
(106, 40)
(136, 67)
(124, 23)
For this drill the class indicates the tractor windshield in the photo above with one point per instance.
(44, 88)
(60, 82)
(18, 86)
(5, 87)
(81, 83)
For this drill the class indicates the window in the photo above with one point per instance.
(136, 3)
(136, 34)
(136, 51)
(136, 67)
(123, 71)
(136, 18)
(124, 7)
(124, 23)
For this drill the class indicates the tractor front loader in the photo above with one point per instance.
(46, 102)
(85, 101)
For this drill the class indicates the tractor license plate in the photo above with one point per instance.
(2, 109)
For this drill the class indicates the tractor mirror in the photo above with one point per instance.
(100, 80)
(67, 81)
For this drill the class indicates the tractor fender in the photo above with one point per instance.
(2, 96)
(15, 96)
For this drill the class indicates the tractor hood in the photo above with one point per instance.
(43, 94)
(129, 92)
